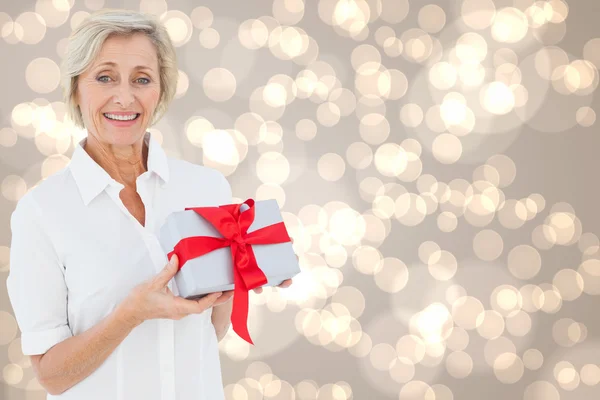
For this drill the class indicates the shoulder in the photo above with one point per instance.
(45, 195)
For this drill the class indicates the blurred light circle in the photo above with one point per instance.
(497, 98)
(445, 266)
(253, 34)
(250, 125)
(393, 47)
(219, 146)
(447, 148)
(585, 116)
(510, 25)
(447, 221)
(328, 114)
(432, 18)
(12, 374)
(590, 374)
(488, 245)
(466, 311)
(569, 284)
(8, 332)
(307, 389)
(209, 38)
(359, 155)
(364, 54)
(183, 83)
(156, 7)
(344, 99)
(411, 115)
(306, 129)
(202, 17)
(374, 128)
(418, 45)
(383, 33)
(53, 164)
(94, 5)
(219, 84)
(13, 187)
(508, 368)
(275, 95)
(42, 75)
(478, 14)
(34, 27)
(533, 359)
(178, 25)
(236, 391)
(271, 191)
(78, 18)
(8, 137)
(459, 364)
(442, 75)
(392, 276)
(394, 11)
(390, 159)
(541, 390)
(331, 167)
(273, 167)
(52, 15)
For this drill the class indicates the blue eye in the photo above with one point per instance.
(101, 78)
(145, 80)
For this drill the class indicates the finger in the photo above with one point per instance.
(225, 297)
(209, 300)
(285, 284)
(258, 290)
(196, 306)
(168, 272)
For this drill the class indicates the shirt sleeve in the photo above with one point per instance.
(36, 283)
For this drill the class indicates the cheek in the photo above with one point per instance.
(90, 100)
(154, 96)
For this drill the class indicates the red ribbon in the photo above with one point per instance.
(233, 225)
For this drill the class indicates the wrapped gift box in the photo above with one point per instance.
(214, 271)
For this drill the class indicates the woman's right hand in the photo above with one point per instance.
(153, 299)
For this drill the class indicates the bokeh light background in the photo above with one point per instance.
(435, 162)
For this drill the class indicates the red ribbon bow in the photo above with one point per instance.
(233, 225)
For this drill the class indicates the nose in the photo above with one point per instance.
(123, 95)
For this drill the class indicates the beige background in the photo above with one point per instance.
(435, 162)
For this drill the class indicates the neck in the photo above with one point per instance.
(123, 163)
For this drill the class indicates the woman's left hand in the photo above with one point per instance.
(282, 285)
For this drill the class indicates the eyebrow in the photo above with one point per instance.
(112, 64)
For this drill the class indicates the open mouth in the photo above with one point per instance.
(114, 117)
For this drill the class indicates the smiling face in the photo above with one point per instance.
(119, 91)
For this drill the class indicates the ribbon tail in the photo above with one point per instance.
(239, 313)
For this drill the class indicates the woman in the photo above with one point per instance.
(88, 281)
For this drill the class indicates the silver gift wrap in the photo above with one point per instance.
(213, 272)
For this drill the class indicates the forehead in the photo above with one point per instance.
(131, 50)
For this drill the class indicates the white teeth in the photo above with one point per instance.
(121, 117)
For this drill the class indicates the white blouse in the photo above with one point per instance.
(76, 253)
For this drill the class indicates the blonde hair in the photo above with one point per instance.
(87, 39)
